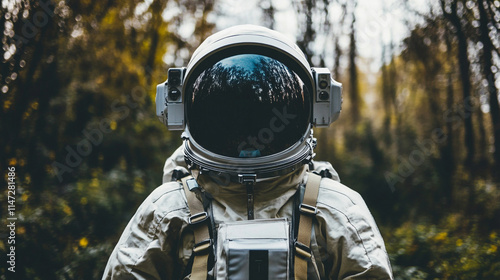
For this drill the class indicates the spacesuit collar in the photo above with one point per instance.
(270, 187)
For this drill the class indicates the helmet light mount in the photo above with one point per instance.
(170, 100)
(327, 101)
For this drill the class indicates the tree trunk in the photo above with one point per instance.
(464, 66)
(156, 20)
(447, 155)
(353, 75)
(336, 63)
(268, 13)
(487, 60)
(308, 34)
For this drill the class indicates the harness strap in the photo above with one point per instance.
(197, 218)
(307, 210)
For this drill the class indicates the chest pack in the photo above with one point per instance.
(255, 249)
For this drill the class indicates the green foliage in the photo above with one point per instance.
(78, 123)
(80, 127)
(447, 250)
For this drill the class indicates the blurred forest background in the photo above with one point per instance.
(419, 135)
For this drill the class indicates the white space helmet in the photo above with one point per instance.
(247, 101)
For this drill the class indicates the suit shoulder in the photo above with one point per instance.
(167, 198)
(336, 194)
(167, 191)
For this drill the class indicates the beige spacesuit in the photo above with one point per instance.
(252, 195)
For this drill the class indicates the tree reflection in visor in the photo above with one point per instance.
(247, 106)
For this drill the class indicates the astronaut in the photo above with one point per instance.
(242, 197)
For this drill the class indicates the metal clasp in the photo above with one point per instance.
(247, 178)
(192, 185)
(197, 218)
(202, 246)
(308, 209)
(302, 250)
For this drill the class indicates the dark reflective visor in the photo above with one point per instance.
(247, 106)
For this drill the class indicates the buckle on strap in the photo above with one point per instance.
(197, 218)
(302, 250)
(308, 209)
(200, 247)
(192, 184)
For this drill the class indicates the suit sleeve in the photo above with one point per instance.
(147, 248)
(353, 245)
